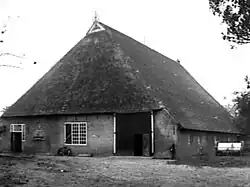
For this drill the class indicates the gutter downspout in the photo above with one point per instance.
(114, 134)
(152, 132)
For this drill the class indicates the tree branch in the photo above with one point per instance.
(10, 66)
(5, 54)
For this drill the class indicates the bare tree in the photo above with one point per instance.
(3, 30)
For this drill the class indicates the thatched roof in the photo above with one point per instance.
(108, 71)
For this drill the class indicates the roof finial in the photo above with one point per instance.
(96, 17)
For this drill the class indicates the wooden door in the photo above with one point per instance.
(138, 144)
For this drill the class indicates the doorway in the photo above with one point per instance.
(138, 145)
(133, 134)
(16, 142)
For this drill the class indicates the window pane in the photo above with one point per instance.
(75, 133)
(83, 142)
(18, 128)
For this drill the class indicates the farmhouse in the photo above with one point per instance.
(112, 95)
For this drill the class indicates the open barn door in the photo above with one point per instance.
(133, 134)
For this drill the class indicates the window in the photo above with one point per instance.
(18, 128)
(190, 139)
(75, 133)
(216, 139)
(204, 139)
(174, 129)
(198, 140)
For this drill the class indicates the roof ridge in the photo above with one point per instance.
(141, 44)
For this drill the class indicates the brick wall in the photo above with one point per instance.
(186, 150)
(100, 134)
(165, 134)
(4, 139)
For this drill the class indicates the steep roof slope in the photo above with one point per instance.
(108, 71)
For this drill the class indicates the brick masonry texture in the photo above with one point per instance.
(100, 134)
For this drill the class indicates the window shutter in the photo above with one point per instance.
(11, 128)
(68, 133)
(23, 132)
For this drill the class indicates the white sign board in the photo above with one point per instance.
(229, 146)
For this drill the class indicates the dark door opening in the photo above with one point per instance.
(133, 134)
(16, 142)
(138, 145)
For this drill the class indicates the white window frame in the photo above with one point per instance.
(215, 140)
(198, 140)
(190, 139)
(13, 129)
(79, 137)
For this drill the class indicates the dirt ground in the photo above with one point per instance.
(120, 171)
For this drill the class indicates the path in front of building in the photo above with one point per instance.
(117, 171)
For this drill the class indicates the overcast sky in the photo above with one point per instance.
(185, 30)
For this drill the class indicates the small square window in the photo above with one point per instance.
(204, 139)
(190, 139)
(198, 140)
(174, 130)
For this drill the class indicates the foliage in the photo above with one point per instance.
(3, 28)
(236, 16)
(229, 107)
(242, 102)
(4, 109)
